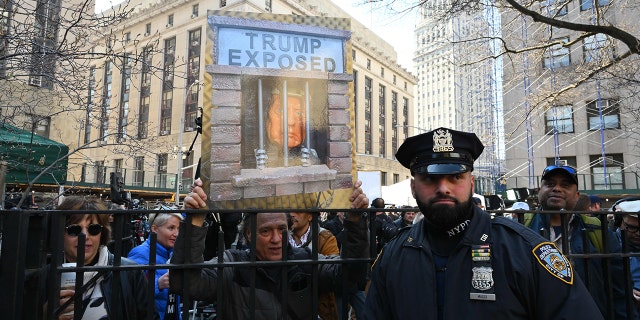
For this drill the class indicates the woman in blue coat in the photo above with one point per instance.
(166, 226)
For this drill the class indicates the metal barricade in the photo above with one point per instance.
(32, 248)
(32, 244)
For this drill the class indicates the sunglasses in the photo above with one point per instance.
(74, 230)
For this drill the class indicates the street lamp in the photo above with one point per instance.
(180, 150)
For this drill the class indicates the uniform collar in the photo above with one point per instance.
(478, 231)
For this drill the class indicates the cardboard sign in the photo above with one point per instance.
(278, 112)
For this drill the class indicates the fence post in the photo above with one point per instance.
(13, 256)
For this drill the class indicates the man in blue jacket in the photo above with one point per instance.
(466, 264)
(559, 192)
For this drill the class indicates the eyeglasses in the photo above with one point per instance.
(74, 230)
(630, 228)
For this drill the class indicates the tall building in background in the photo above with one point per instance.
(29, 61)
(458, 86)
(144, 92)
(591, 127)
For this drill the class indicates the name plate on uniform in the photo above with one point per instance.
(482, 296)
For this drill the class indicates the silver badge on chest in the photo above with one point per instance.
(482, 278)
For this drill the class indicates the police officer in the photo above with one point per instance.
(464, 263)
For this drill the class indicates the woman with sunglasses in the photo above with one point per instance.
(165, 226)
(98, 303)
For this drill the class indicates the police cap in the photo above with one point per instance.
(441, 151)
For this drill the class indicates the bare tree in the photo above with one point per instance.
(549, 14)
(554, 53)
(49, 51)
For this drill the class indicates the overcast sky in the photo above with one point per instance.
(396, 28)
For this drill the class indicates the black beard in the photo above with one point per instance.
(444, 217)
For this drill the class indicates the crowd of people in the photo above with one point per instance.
(444, 259)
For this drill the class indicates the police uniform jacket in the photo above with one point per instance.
(403, 279)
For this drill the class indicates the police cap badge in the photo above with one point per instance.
(441, 151)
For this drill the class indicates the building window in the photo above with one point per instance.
(186, 178)
(100, 172)
(382, 72)
(396, 178)
(194, 10)
(368, 95)
(610, 114)
(117, 165)
(405, 115)
(355, 90)
(39, 125)
(559, 118)
(5, 17)
(147, 29)
(383, 178)
(564, 161)
(557, 55)
(127, 37)
(91, 96)
(125, 87)
(138, 171)
(607, 172)
(223, 3)
(42, 68)
(193, 72)
(394, 79)
(143, 117)
(554, 7)
(588, 4)
(353, 54)
(106, 103)
(598, 45)
(83, 173)
(163, 160)
(394, 122)
(267, 5)
(167, 88)
(145, 92)
(169, 63)
(165, 113)
(368, 64)
(382, 121)
(170, 20)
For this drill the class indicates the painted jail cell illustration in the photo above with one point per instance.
(291, 122)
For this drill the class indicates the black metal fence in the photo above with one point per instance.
(32, 242)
